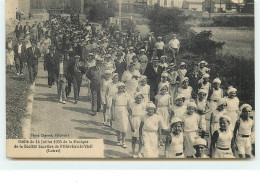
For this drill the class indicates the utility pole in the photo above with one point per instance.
(120, 14)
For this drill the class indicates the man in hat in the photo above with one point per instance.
(18, 30)
(26, 28)
(68, 61)
(153, 72)
(19, 56)
(76, 70)
(95, 74)
(32, 55)
(50, 61)
(130, 55)
(159, 47)
(174, 46)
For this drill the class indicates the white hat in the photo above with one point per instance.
(217, 80)
(185, 79)
(244, 106)
(143, 77)
(199, 141)
(225, 117)
(114, 75)
(120, 84)
(203, 62)
(205, 75)
(165, 74)
(191, 104)
(222, 101)
(175, 120)
(138, 94)
(163, 56)
(150, 105)
(203, 91)
(231, 89)
(180, 96)
(108, 71)
(183, 63)
(142, 50)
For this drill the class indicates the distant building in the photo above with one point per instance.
(195, 5)
(11, 7)
(220, 5)
(166, 3)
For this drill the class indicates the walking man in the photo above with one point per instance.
(32, 56)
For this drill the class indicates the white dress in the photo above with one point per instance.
(179, 111)
(163, 105)
(215, 96)
(111, 91)
(175, 147)
(150, 135)
(9, 57)
(145, 90)
(191, 127)
(131, 84)
(186, 93)
(105, 84)
(215, 125)
(243, 139)
(121, 122)
(224, 142)
(138, 111)
(232, 108)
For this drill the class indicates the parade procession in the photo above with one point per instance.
(152, 103)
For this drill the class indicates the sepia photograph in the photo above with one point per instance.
(130, 79)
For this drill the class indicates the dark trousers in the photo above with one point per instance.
(51, 77)
(77, 80)
(159, 53)
(96, 100)
(33, 71)
(68, 88)
(19, 64)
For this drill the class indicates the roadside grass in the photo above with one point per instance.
(17, 91)
(239, 42)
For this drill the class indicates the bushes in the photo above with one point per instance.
(99, 13)
(228, 21)
(166, 20)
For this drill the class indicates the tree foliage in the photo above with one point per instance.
(99, 12)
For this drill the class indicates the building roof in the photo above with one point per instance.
(195, 1)
(220, 1)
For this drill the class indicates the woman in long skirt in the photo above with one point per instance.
(149, 132)
(120, 113)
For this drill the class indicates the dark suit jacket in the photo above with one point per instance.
(153, 77)
(18, 30)
(32, 58)
(51, 62)
(95, 77)
(26, 28)
(23, 52)
(71, 71)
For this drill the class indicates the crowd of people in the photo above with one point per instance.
(139, 84)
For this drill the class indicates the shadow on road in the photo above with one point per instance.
(85, 122)
(116, 154)
(93, 130)
(79, 109)
(48, 99)
(41, 85)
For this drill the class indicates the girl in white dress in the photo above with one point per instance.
(182, 71)
(164, 81)
(192, 123)
(178, 108)
(215, 93)
(243, 131)
(232, 107)
(199, 146)
(204, 83)
(185, 89)
(110, 92)
(215, 115)
(149, 132)
(120, 113)
(105, 83)
(222, 139)
(174, 140)
(138, 110)
(9, 59)
(144, 88)
(203, 109)
(163, 104)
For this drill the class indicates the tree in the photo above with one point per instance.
(99, 12)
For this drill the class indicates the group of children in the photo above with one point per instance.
(211, 126)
